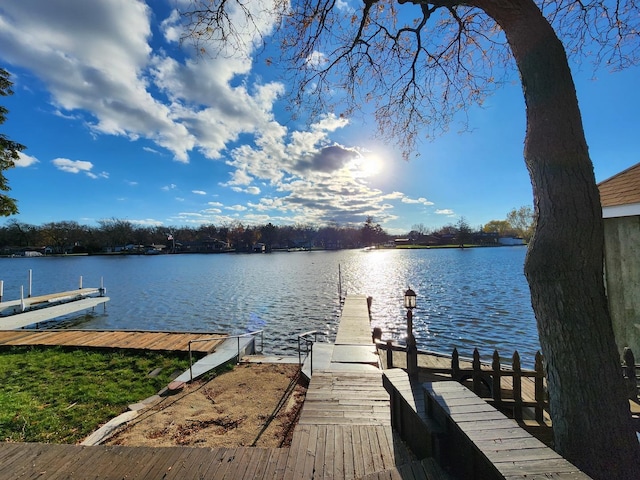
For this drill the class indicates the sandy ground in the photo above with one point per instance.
(254, 404)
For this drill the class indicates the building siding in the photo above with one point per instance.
(622, 264)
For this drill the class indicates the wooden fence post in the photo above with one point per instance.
(517, 387)
(455, 365)
(496, 378)
(477, 373)
(539, 388)
(389, 354)
(630, 370)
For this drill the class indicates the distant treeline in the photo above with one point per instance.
(115, 235)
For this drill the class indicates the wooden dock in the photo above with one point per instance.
(344, 430)
(123, 339)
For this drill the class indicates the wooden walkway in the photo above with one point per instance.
(131, 340)
(344, 430)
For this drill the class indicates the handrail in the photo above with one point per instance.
(399, 347)
(309, 346)
(227, 337)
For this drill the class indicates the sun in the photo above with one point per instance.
(368, 165)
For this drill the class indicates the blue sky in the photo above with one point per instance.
(121, 121)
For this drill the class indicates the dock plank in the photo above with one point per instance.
(321, 448)
(257, 463)
(377, 460)
(194, 463)
(297, 453)
(491, 436)
(281, 466)
(347, 449)
(308, 469)
(328, 452)
(268, 470)
(359, 452)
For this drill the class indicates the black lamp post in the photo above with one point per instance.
(412, 349)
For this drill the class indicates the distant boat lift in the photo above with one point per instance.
(32, 310)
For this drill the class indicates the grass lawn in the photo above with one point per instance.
(57, 395)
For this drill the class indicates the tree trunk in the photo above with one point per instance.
(564, 265)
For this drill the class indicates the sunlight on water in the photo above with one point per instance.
(466, 298)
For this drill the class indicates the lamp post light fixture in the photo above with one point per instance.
(412, 349)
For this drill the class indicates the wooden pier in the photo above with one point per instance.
(344, 430)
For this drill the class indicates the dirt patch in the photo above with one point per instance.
(253, 404)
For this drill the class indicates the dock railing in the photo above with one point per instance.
(237, 337)
(486, 379)
(631, 372)
(306, 341)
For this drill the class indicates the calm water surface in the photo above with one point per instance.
(466, 298)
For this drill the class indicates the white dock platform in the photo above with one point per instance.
(19, 320)
(16, 306)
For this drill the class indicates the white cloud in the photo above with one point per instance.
(150, 222)
(239, 177)
(315, 180)
(420, 200)
(25, 160)
(171, 186)
(237, 208)
(199, 192)
(170, 27)
(445, 211)
(97, 61)
(77, 166)
(316, 59)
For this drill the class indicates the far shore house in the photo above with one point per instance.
(620, 198)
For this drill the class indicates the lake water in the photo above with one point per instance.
(466, 298)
